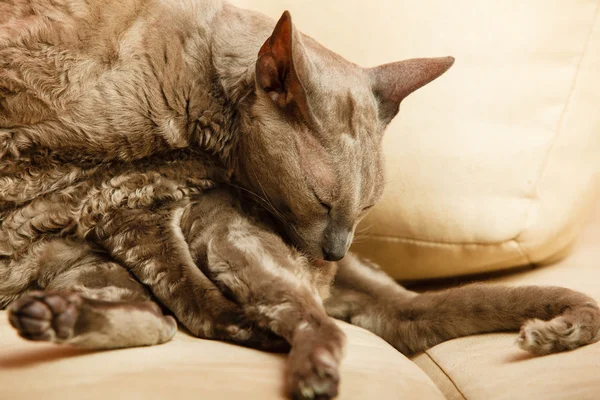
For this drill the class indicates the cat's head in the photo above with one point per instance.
(315, 133)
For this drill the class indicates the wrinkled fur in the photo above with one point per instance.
(160, 152)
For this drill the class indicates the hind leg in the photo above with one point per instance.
(89, 301)
(551, 319)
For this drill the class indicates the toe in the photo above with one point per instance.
(37, 310)
(44, 316)
(64, 323)
(57, 303)
(316, 377)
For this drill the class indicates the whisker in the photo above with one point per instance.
(364, 228)
(268, 206)
(266, 196)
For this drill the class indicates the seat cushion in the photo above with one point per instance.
(494, 164)
(190, 368)
(491, 367)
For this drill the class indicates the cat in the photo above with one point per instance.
(196, 160)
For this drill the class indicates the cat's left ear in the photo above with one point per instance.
(393, 82)
(280, 66)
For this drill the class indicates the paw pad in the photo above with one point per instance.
(45, 316)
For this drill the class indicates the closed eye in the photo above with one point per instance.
(367, 208)
(323, 204)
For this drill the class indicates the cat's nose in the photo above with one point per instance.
(334, 256)
(335, 247)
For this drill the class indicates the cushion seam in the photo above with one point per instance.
(544, 164)
(445, 374)
(438, 242)
(528, 260)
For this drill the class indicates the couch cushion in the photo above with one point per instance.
(491, 367)
(190, 368)
(492, 165)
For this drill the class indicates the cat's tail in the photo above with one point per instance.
(550, 319)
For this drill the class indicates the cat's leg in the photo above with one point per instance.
(150, 244)
(86, 300)
(550, 319)
(274, 287)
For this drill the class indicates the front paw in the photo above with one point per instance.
(314, 375)
(314, 363)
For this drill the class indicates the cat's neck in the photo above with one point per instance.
(236, 38)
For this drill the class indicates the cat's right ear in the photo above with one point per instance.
(393, 82)
(277, 68)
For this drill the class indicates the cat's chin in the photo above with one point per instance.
(321, 263)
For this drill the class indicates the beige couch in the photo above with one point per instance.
(493, 166)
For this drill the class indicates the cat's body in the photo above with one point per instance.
(112, 80)
(138, 137)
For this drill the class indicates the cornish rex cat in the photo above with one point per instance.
(161, 152)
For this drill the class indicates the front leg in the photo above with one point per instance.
(275, 288)
(551, 319)
(150, 244)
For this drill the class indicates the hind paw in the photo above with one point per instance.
(45, 316)
(559, 334)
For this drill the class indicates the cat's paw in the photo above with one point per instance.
(562, 333)
(46, 316)
(256, 337)
(314, 375)
(314, 362)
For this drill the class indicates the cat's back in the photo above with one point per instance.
(51, 19)
(105, 77)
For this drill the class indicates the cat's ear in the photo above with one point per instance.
(393, 82)
(279, 67)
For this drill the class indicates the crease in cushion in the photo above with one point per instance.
(439, 376)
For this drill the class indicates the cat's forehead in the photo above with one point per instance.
(348, 112)
(355, 153)
(340, 92)
(351, 128)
